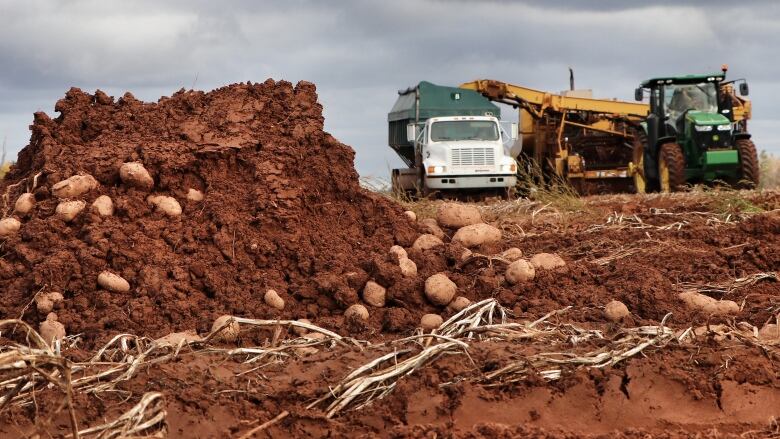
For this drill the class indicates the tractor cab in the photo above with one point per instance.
(692, 134)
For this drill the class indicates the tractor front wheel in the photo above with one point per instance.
(748, 175)
(671, 167)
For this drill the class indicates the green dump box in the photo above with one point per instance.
(434, 101)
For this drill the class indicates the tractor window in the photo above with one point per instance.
(464, 130)
(681, 97)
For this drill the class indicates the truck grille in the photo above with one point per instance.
(472, 157)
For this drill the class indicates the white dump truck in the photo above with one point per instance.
(452, 140)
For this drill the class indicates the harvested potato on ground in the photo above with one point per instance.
(9, 226)
(707, 304)
(356, 311)
(432, 227)
(45, 302)
(299, 330)
(176, 338)
(230, 332)
(51, 329)
(458, 304)
(24, 204)
(103, 206)
(519, 271)
(69, 210)
(113, 282)
(512, 254)
(135, 174)
(273, 299)
(431, 321)
(547, 261)
(194, 195)
(74, 186)
(165, 204)
(616, 311)
(456, 215)
(411, 215)
(426, 242)
(398, 252)
(374, 294)
(439, 289)
(408, 267)
(477, 234)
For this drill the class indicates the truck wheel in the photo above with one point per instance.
(671, 167)
(748, 174)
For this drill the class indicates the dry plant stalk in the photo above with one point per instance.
(727, 287)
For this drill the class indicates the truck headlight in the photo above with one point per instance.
(435, 169)
(509, 168)
(724, 127)
(702, 128)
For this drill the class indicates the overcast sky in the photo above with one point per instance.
(360, 52)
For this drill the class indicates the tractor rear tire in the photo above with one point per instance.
(748, 175)
(671, 167)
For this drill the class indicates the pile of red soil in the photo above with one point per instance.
(283, 209)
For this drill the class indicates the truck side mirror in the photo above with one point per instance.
(513, 131)
(411, 132)
(638, 95)
(743, 89)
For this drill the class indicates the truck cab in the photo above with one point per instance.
(452, 140)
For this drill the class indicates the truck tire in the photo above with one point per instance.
(671, 167)
(748, 171)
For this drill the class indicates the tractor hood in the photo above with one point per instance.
(703, 118)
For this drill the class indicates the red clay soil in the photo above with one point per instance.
(283, 210)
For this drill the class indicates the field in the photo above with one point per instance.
(690, 350)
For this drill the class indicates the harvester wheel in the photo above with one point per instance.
(640, 180)
(748, 164)
(671, 167)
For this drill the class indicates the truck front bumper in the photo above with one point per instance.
(470, 181)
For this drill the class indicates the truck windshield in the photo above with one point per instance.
(464, 130)
(682, 97)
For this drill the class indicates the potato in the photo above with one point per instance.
(74, 186)
(24, 204)
(426, 242)
(431, 321)
(230, 332)
(69, 210)
(374, 294)
(51, 330)
(458, 304)
(477, 234)
(176, 338)
(165, 204)
(707, 304)
(616, 311)
(113, 282)
(134, 174)
(455, 215)
(356, 312)
(103, 206)
(273, 300)
(408, 267)
(432, 227)
(194, 195)
(398, 252)
(411, 215)
(519, 271)
(301, 331)
(769, 332)
(45, 302)
(512, 254)
(9, 226)
(547, 261)
(439, 289)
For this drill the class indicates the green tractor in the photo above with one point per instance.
(696, 132)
